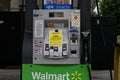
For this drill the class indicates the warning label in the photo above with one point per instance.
(55, 38)
(75, 19)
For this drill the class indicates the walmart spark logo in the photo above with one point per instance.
(76, 76)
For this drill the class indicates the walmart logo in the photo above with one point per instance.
(76, 76)
(51, 76)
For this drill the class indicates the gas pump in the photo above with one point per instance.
(60, 49)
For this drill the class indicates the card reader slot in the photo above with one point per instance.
(73, 52)
(74, 38)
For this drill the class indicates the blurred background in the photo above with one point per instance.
(16, 35)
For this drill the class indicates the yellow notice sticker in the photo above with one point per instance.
(55, 38)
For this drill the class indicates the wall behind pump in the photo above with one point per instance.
(14, 5)
(10, 5)
(4, 5)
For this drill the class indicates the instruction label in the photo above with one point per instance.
(55, 38)
(38, 29)
(75, 19)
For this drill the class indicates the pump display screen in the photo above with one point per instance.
(57, 4)
(56, 14)
(56, 23)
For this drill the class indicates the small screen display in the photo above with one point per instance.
(56, 23)
(56, 14)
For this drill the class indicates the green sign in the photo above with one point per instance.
(54, 72)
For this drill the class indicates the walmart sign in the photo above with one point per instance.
(50, 72)
(48, 76)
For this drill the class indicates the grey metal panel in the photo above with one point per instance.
(38, 56)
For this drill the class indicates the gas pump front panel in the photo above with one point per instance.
(56, 37)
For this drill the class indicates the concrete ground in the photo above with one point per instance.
(9, 74)
(14, 74)
(101, 75)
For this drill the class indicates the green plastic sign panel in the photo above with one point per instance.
(54, 72)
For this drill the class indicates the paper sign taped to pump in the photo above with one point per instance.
(75, 19)
(55, 38)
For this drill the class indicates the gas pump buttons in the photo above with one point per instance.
(46, 53)
(64, 49)
(55, 50)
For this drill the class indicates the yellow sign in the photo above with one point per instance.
(55, 38)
